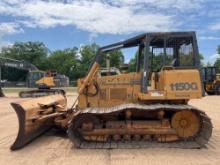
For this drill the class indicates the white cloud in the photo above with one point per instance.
(214, 56)
(215, 26)
(8, 28)
(92, 37)
(211, 59)
(92, 16)
(106, 16)
(4, 44)
(182, 5)
(209, 38)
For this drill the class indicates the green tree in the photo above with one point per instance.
(208, 64)
(218, 49)
(63, 61)
(87, 55)
(71, 61)
(217, 65)
(116, 58)
(217, 62)
(156, 61)
(33, 52)
(132, 64)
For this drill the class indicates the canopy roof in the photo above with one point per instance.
(156, 40)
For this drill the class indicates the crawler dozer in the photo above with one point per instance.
(211, 80)
(43, 81)
(145, 108)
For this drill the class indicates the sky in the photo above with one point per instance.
(70, 23)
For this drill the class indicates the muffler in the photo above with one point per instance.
(36, 116)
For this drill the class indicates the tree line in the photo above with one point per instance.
(73, 62)
(217, 62)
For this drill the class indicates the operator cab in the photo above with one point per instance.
(208, 74)
(34, 76)
(166, 51)
(158, 51)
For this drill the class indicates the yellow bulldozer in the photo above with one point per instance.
(44, 81)
(145, 108)
(211, 80)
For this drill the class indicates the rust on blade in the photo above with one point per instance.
(33, 121)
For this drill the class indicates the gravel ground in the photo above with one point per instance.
(57, 149)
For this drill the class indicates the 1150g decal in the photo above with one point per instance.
(180, 86)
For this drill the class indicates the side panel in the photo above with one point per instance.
(175, 84)
(112, 90)
(47, 81)
(118, 89)
(181, 83)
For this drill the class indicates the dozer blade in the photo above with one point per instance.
(36, 116)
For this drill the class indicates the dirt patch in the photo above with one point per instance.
(53, 148)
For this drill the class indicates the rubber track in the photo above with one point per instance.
(199, 141)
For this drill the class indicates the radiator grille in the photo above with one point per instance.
(118, 93)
